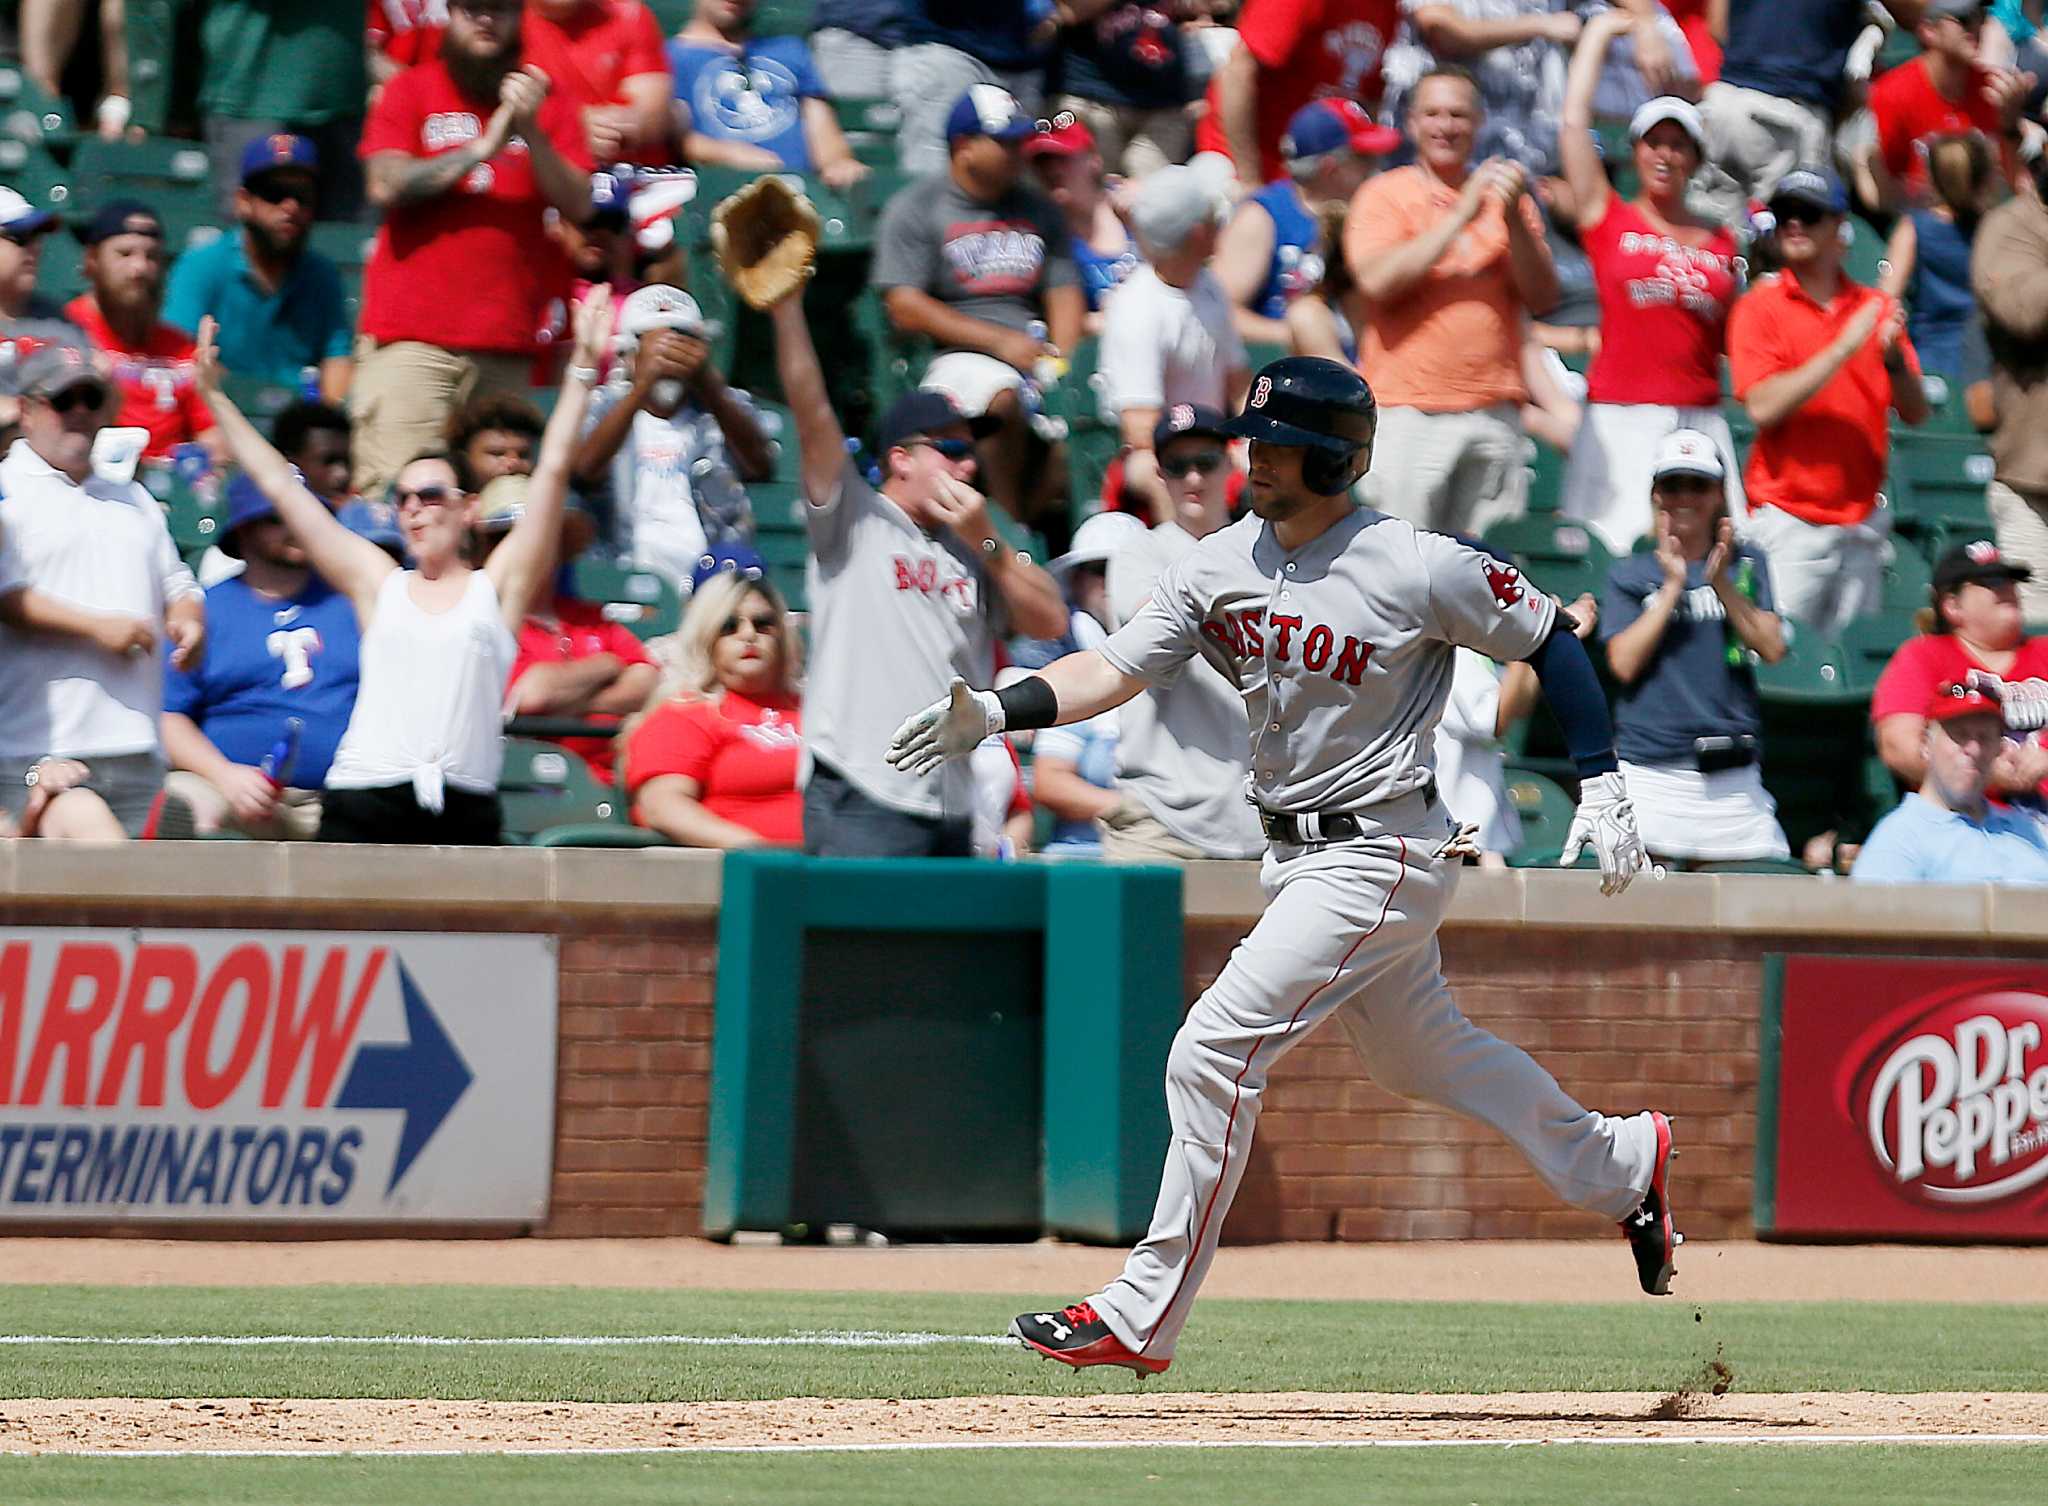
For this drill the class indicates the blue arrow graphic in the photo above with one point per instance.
(424, 1078)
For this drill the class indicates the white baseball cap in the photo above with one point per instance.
(1654, 112)
(1172, 202)
(659, 306)
(19, 217)
(1096, 540)
(1687, 452)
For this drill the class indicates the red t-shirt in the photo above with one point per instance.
(1663, 311)
(596, 50)
(1909, 110)
(1691, 16)
(1306, 49)
(406, 31)
(580, 630)
(741, 754)
(471, 269)
(1926, 663)
(157, 392)
(1824, 462)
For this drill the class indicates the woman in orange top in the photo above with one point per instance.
(714, 762)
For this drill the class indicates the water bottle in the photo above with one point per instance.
(309, 383)
(1745, 586)
(283, 758)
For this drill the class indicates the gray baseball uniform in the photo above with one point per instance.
(1343, 653)
(896, 613)
(1181, 745)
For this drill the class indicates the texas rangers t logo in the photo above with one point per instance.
(1262, 390)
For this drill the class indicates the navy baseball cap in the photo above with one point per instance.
(742, 560)
(1326, 125)
(1183, 419)
(1812, 188)
(279, 151)
(375, 521)
(923, 412)
(987, 110)
(246, 504)
(121, 217)
(19, 217)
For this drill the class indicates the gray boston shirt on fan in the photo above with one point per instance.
(1181, 745)
(896, 612)
(1342, 650)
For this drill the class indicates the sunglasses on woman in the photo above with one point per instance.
(431, 496)
(764, 623)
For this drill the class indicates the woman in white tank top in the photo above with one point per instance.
(424, 748)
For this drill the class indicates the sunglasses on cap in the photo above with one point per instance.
(1201, 462)
(433, 495)
(952, 449)
(88, 395)
(761, 622)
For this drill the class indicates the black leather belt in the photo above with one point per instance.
(1306, 830)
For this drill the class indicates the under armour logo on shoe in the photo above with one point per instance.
(1059, 1329)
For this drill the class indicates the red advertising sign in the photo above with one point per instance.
(1903, 1099)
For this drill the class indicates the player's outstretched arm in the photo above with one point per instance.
(1071, 689)
(1605, 820)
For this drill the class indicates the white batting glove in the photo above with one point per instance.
(1606, 820)
(945, 729)
(2025, 702)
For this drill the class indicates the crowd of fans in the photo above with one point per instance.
(1595, 230)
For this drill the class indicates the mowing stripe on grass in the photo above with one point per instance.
(975, 1445)
(850, 1339)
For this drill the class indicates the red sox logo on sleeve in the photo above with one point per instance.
(1261, 390)
(1505, 581)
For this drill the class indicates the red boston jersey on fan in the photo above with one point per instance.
(1909, 110)
(741, 755)
(471, 269)
(597, 49)
(1306, 49)
(157, 390)
(1663, 311)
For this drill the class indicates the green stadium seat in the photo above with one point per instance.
(779, 424)
(1907, 579)
(1546, 479)
(152, 51)
(1868, 644)
(787, 552)
(30, 170)
(343, 242)
(1545, 811)
(1865, 260)
(29, 114)
(1937, 487)
(647, 603)
(262, 401)
(1813, 673)
(551, 799)
(1558, 555)
(146, 168)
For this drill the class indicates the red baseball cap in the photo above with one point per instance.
(1065, 137)
(1953, 700)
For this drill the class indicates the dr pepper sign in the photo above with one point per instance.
(300, 1076)
(1903, 1099)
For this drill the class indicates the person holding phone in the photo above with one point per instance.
(1682, 627)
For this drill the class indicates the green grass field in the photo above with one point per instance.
(1232, 1346)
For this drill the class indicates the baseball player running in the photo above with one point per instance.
(1338, 625)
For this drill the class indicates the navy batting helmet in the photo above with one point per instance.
(1322, 406)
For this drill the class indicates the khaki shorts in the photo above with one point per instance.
(1132, 834)
(403, 392)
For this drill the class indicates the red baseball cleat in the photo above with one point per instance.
(1648, 1229)
(1077, 1336)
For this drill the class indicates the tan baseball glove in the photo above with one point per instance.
(766, 240)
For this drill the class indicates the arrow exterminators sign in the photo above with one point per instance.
(276, 1075)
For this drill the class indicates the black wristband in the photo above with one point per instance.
(1028, 704)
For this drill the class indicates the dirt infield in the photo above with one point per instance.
(1507, 1271)
(123, 1424)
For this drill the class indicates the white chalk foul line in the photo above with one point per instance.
(933, 1446)
(823, 1339)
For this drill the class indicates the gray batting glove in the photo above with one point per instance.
(946, 729)
(1606, 820)
(2024, 702)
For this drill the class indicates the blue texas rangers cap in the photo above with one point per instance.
(987, 110)
(1813, 188)
(741, 560)
(246, 504)
(280, 150)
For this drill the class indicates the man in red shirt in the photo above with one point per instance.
(150, 361)
(573, 661)
(1944, 91)
(463, 155)
(606, 55)
(1976, 626)
(1819, 361)
(1288, 53)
